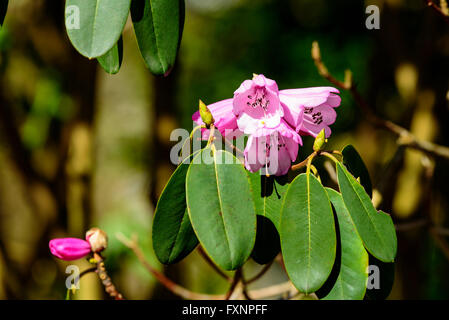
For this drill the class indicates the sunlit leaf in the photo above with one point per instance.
(354, 163)
(95, 26)
(376, 229)
(350, 283)
(112, 60)
(221, 207)
(307, 232)
(173, 236)
(158, 25)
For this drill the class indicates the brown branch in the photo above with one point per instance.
(413, 225)
(190, 295)
(105, 279)
(438, 10)
(405, 137)
(212, 264)
(261, 273)
(303, 164)
(235, 282)
(166, 282)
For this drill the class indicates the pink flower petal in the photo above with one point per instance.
(69, 248)
(296, 101)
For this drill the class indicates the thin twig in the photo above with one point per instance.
(304, 163)
(166, 282)
(402, 227)
(405, 137)
(235, 282)
(105, 278)
(189, 295)
(261, 273)
(436, 8)
(212, 264)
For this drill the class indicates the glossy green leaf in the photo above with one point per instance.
(354, 163)
(95, 26)
(352, 276)
(268, 194)
(112, 60)
(307, 232)
(173, 236)
(3, 9)
(158, 25)
(221, 207)
(376, 229)
(268, 244)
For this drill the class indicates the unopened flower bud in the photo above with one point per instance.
(98, 239)
(320, 141)
(206, 115)
(69, 248)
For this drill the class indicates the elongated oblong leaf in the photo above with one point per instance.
(112, 60)
(3, 9)
(355, 165)
(307, 232)
(158, 25)
(221, 207)
(95, 26)
(173, 236)
(376, 229)
(351, 281)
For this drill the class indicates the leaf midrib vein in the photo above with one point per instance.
(367, 211)
(221, 209)
(156, 37)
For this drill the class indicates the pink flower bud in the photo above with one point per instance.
(69, 248)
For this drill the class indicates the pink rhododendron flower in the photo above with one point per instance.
(272, 150)
(256, 105)
(310, 110)
(69, 248)
(274, 120)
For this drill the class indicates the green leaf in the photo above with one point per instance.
(268, 194)
(221, 207)
(354, 163)
(307, 232)
(375, 228)
(173, 236)
(99, 26)
(158, 26)
(267, 245)
(112, 60)
(3, 9)
(351, 281)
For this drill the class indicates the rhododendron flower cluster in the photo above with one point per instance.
(274, 120)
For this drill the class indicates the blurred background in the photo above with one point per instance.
(81, 148)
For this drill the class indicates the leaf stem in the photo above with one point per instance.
(327, 154)
(210, 263)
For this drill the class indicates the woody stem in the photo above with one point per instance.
(105, 279)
